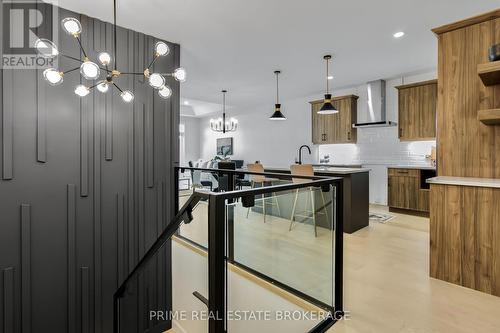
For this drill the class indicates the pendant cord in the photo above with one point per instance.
(114, 32)
(224, 103)
(223, 112)
(277, 90)
(327, 83)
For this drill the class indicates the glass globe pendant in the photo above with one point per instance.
(162, 49)
(53, 76)
(72, 26)
(103, 87)
(156, 81)
(104, 58)
(127, 96)
(180, 74)
(46, 49)
(90, 70)
(82, 90)
(165, 92)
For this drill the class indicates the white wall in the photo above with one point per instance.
(191, 139)
(275, 143)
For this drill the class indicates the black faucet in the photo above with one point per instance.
(300, 152)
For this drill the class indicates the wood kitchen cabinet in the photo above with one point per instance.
(417, 111)
(408, 190)
(335, 128)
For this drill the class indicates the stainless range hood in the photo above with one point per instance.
(373, 113)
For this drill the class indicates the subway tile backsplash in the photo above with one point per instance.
(379, 146)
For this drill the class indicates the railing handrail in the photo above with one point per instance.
(276, 188)
(183, 215)
(278, 175)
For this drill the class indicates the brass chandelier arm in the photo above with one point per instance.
(132, 73)
(120, 89)
(81, 46)
(94, 85)
(71, 70)
(70, 57)
(152, 62)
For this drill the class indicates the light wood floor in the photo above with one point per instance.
(386, 274)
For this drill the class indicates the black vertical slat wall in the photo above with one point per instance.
(85, 188)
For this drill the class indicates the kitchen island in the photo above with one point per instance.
(355, 196)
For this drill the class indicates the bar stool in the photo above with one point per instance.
(305, 170)
(260, 180)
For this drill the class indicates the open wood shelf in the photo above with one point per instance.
(489, 117)
(489, 73)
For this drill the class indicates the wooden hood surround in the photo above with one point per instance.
(465, 220)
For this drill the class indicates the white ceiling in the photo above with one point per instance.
(237, 44)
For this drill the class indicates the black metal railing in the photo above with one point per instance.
(221, 242)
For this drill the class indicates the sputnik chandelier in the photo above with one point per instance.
(91, 71)
(221, 124)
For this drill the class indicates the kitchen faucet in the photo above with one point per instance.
(300, 152)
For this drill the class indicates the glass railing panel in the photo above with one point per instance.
(197, 232)
(190, 273)
(257, 306)
(289, 237)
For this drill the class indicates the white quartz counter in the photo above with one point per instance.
(465, 181)
(418, 167)
(326, 170)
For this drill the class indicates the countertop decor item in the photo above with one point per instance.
(221, 124)
(91, 71)
(494, 52)
(277, 115)
(327, 107)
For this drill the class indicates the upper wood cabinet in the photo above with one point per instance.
(417, 111)
(335, 128)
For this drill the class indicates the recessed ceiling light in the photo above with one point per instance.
(399, 34)
(186, 103)
(330, 77)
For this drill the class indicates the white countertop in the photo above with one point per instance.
(465, 181)
(406, 166)
(332, 170)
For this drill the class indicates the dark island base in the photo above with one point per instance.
(356, 202)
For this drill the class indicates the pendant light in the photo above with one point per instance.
(220, 124)
(105, 64)
(277, 115)
(327, 107)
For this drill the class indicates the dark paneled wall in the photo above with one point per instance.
(86, 185)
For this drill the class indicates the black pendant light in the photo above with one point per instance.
(327, 107)
(277, 115)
